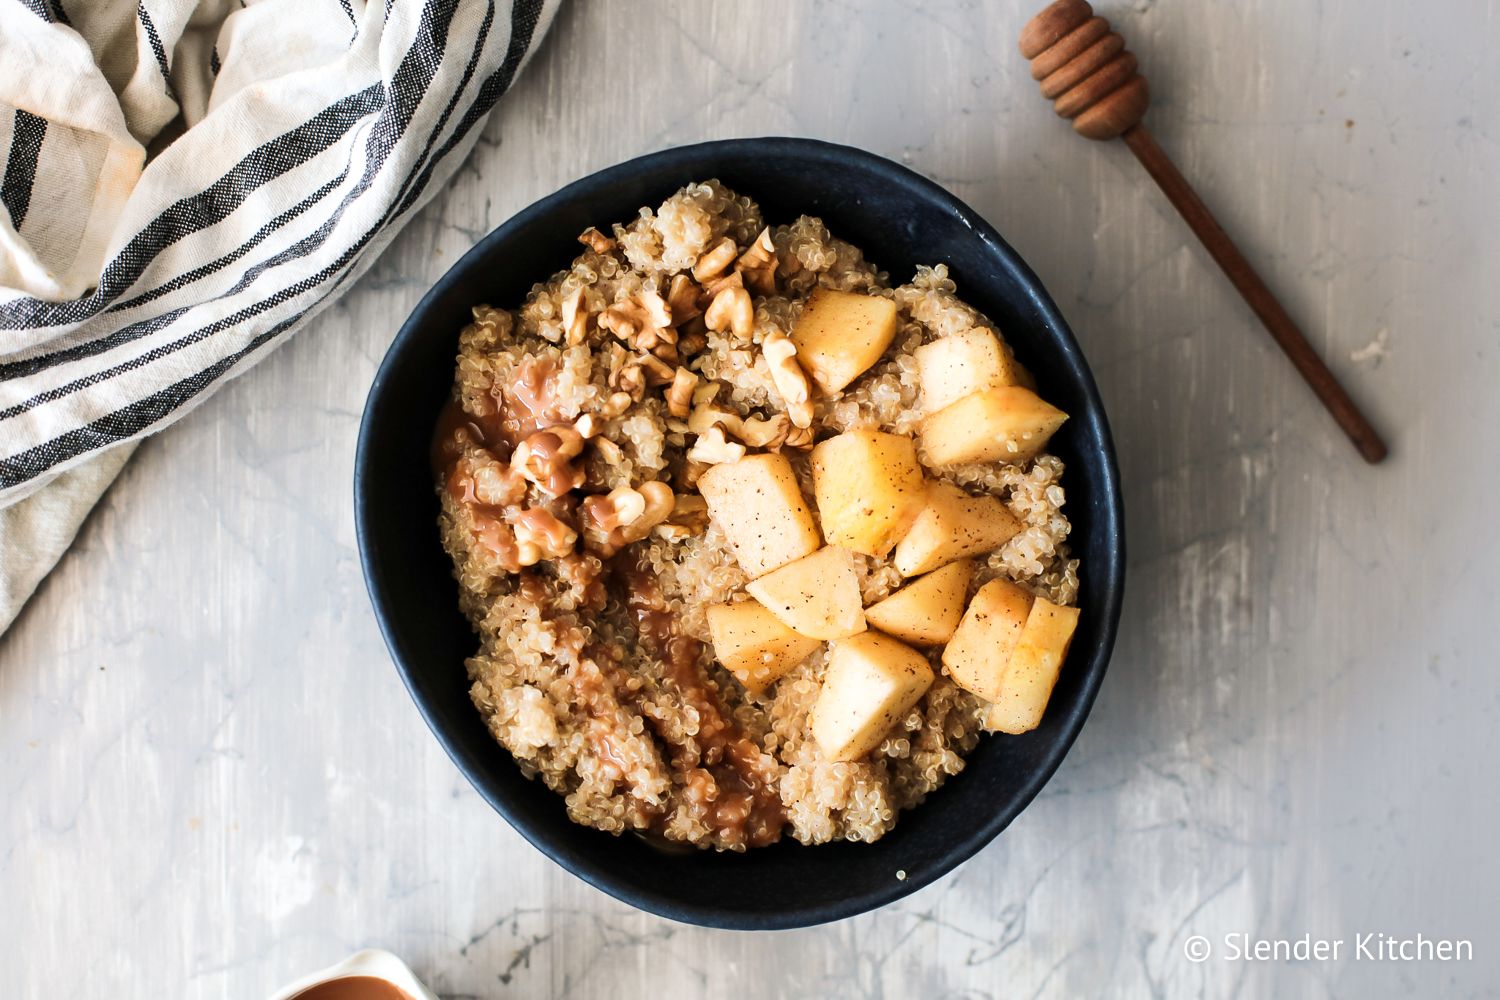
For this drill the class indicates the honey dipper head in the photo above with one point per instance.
(1084, 70)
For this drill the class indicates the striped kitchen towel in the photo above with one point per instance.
(185, 183)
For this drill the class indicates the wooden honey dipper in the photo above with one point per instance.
(1084, 70)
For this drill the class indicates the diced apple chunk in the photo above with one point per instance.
(926, 611)
(1004, 424)
(952, 526)
(957, 365)
(759, 506)
(818, 595)
(979, 654)
(1033, 670)
(869, 488)
(841, 334)
(754, 645)
(872, 681)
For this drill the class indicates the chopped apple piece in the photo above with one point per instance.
(1033, 669)
(758, 504)
(869, 488)
(953, 525)
(979, 654)
(957, 365)
(754, 645)
(818, 595)
(1004, 424)
(872, 681)
(926, 611)
(841, 334)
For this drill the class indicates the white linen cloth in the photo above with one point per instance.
(183, 183)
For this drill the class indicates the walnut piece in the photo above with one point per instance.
(717, 260)
(630, 381)
(575, 318)
(682, 299)
(658, 313)
(762, 253)
(758, 264)
(799, 437)
(643, 321)
(540, 535)
(546, 460)
(596, 241)
(707, 415)
(680, 393)
(732, 310)
(691, 340)
(732, 279)
(788, 377)
(713, 448)
(615, 405)
(770, 433)
(587, 426)
(658, 372)
(609, 451)
(624, 515)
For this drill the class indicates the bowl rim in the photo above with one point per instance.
(1109, 519)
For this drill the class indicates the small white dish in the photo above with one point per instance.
(371, 963)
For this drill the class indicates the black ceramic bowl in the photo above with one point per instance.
(900, 220)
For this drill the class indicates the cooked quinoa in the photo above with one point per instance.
(595, 667)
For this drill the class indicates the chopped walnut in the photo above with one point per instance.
(596, 241)
(770, 433)
(713, 448)
(587, 426)
(643, 321)
(658, 313)
(799, 437)
(609, 451)
(682, 299)
(734, 279)
(753, 431)
(706, 392)
(762, 253)
(660, 503)
(691, 341)
(545, 459)
(541, 535)
(758, 264)
(575, 318)
(630, 381)
(705, 416)
(680, 393)
(686, 475)
(717, 260)
(732, 310)
(623, 319)
(788, 377)
(672, 532)
(615, 405)
(624, 515)
(658, 372)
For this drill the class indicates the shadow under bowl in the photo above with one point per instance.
(900, 220)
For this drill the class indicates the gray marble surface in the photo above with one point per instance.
(213, 780)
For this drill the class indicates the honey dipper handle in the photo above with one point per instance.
(1323, 382)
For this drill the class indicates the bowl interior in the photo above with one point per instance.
(900, 220)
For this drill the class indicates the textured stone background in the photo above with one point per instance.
(213, 780)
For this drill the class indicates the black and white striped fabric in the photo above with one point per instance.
(185, 182)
